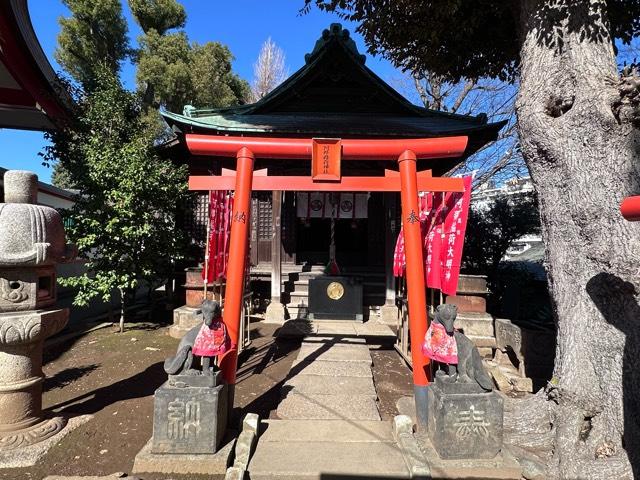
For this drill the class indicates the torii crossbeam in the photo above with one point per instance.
(407, 181)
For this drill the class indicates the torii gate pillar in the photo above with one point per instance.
(236, 268)
(416, 293)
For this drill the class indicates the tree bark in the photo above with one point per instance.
(123, 305)
(582, 155)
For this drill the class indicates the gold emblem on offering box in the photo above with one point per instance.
(335, 290)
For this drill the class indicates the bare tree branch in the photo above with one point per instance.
(269, 70)
(468, 87)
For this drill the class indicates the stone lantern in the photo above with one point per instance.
(32, 241)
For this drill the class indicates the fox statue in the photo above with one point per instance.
(205, 341)
(447, 345)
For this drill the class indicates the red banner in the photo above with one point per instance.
(425, 201)
(220, 211)
(454, 228)
(443, 219)
(433, 242)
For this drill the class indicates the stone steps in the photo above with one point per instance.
(338, 328)
(322, 449)
(301, 406)
(343, 370)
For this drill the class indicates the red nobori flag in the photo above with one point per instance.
(399, 260)
(220, 207)
(433, 241)
(455, 225)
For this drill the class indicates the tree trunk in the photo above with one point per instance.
(123, 305)
(581, 152)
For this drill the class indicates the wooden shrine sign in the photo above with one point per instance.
(326, 155)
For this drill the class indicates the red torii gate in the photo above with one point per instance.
(407, 180)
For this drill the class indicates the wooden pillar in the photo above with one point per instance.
(390, 236)
(236, 267)
(275, 310)
(276, 247)
(416, 294)
(389, 311)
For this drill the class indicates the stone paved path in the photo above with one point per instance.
(343, 370)
(329, 425)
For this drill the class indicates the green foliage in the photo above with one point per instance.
(60, 177)
(179, 73)
(469, 39)
(214, 83)
(158, 15)
(124, 220)
(92, 40)
(494, 229)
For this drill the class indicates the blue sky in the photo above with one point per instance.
(243, 25)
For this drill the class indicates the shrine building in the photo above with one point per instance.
(316, 167)
(336, 96)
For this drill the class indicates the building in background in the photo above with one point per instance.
(30, 96)
(514, 188)
(48, 195)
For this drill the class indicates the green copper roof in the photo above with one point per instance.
(334, 94)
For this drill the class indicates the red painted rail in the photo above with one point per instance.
(630, 208)
(352, 149)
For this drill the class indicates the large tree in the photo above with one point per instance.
(172, 72)
(578, 125)
(93, 39)
(123, 220)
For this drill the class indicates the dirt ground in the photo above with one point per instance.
(113, 377)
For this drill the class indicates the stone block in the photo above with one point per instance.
(324, 384)
(402, 424)
(483, 341)
(322, 460)
(485, 352)
(333, 369)
(464, 425)
(297, 328)
(328, 407)
(343, 431)
(508, 335)
(468, 303)
(251, 422)
(479, 324)
(234, 473)
(184, 319)
(411, 451)
(502, 467)
(501, 381)
(244, 448)
(189, 420)
(182, 463)
(335, 353)
(472, 285)
(389, 314)
(520, 384)
(275, 313)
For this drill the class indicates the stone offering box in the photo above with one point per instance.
(190, 415)
(335, 298)
(462, 422)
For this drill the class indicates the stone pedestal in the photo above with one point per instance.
(464, 423)
(275, 313)
(21, 337)
(184, 319)
(32, 242)
(389, 314)
(190, 415)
